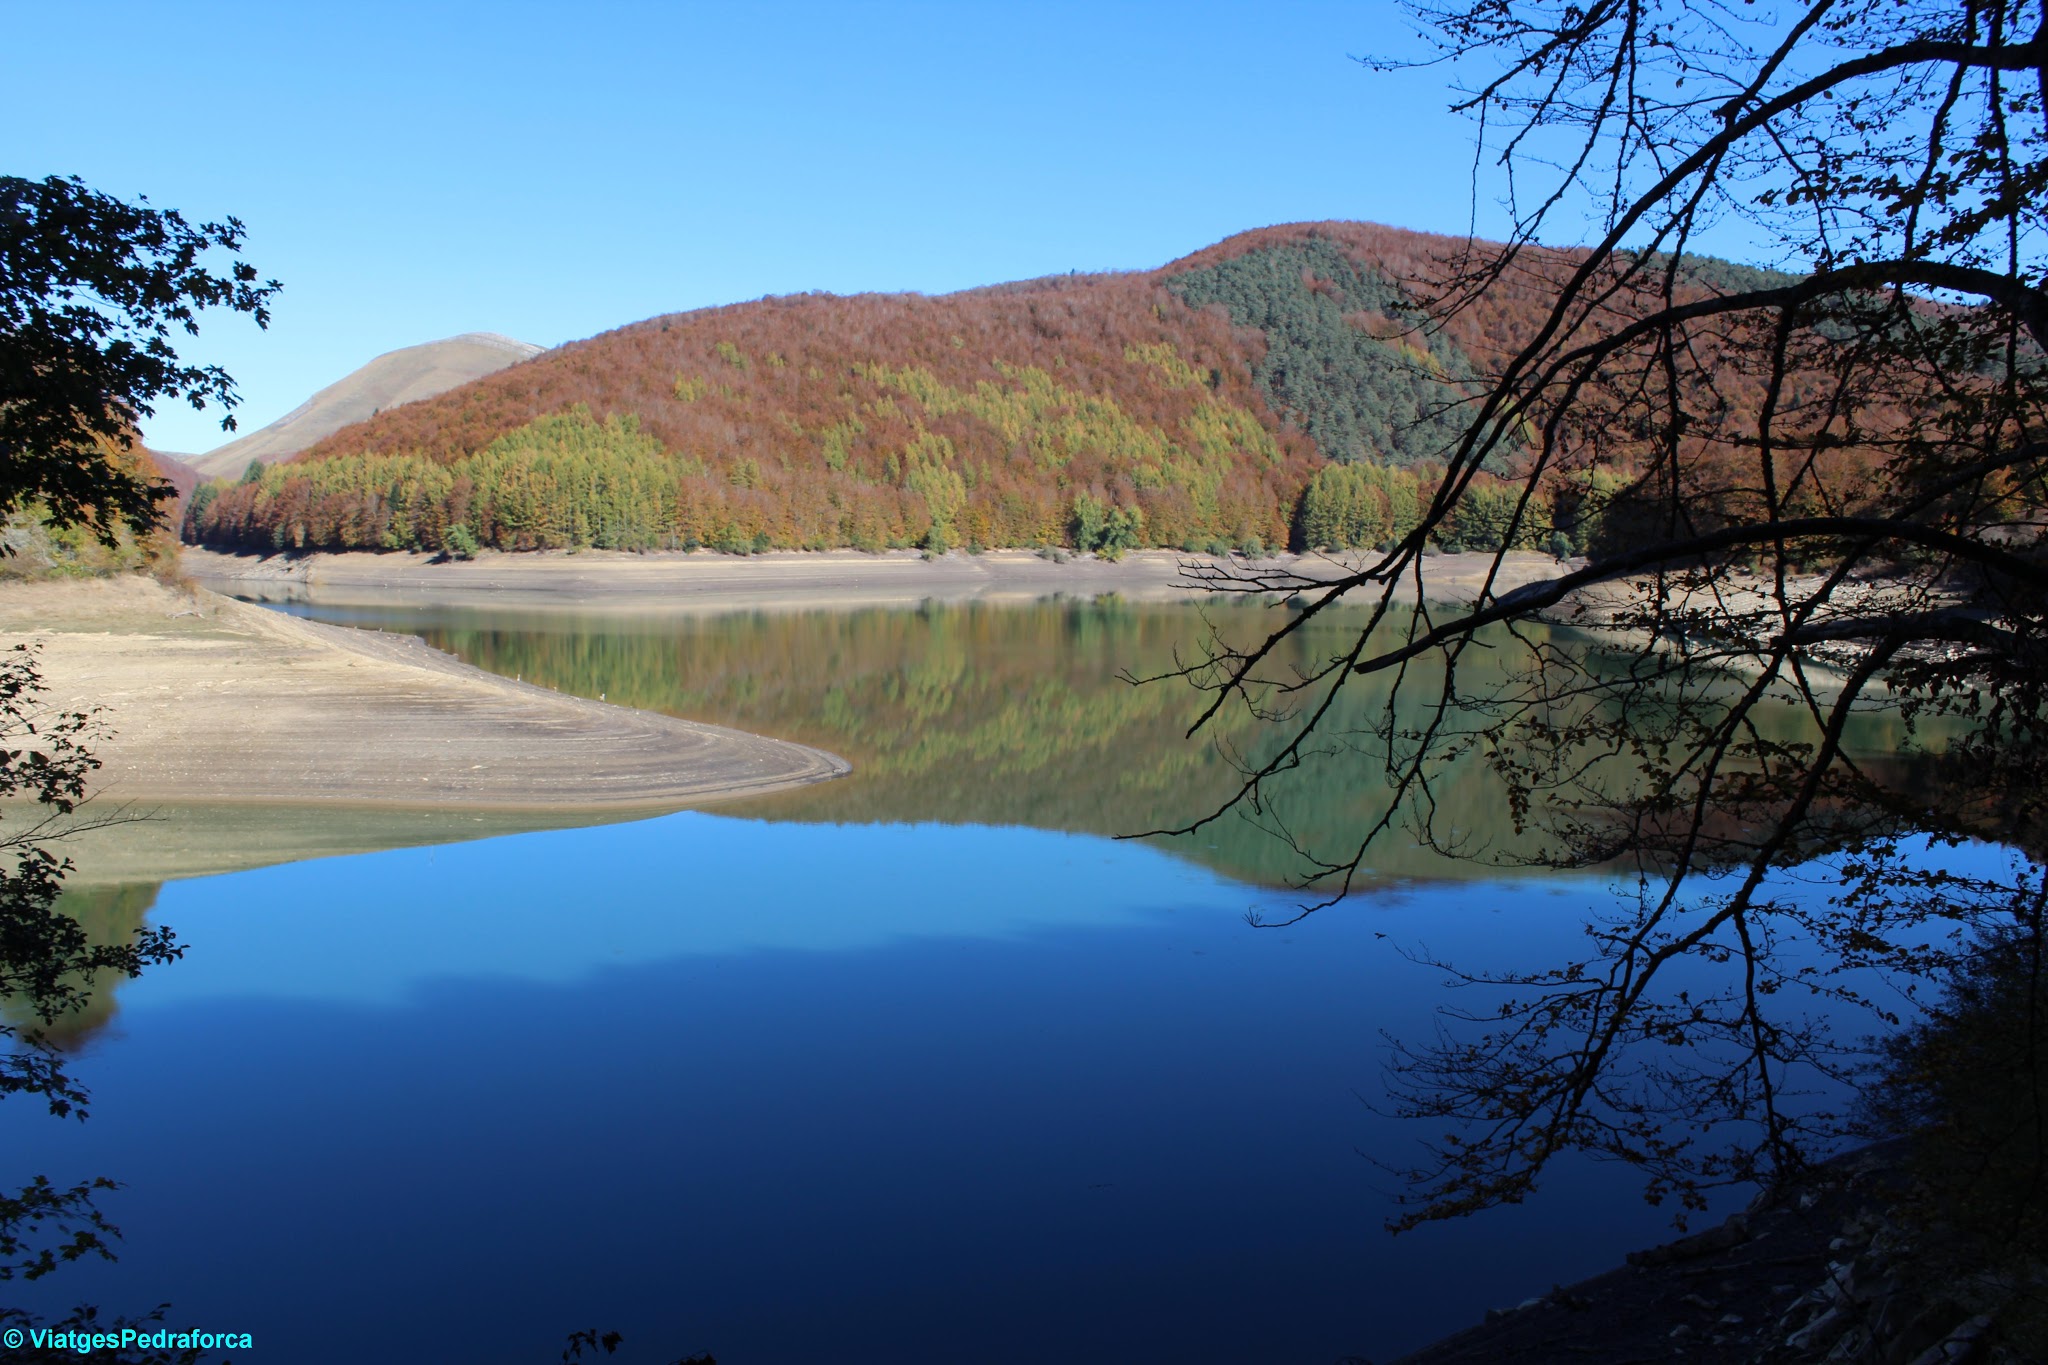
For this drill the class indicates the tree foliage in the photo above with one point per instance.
(1009, 460)
(31, 546)
(1200, 401)
(1362, 392)
(92, 289)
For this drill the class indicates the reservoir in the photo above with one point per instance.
(923, 1064)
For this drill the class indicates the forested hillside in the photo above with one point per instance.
(1196, 406)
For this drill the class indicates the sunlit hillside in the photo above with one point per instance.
(1199, 406)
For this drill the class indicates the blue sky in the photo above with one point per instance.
(547, 171)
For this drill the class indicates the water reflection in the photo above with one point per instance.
(145, 844)
(1017, 715)
(791, 1093)
(877, 1074)
(109, 914)
(966, 714)
(685, 885)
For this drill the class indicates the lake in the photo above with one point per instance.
(915, 1066)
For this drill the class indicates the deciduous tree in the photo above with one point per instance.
(1815, 489)
(93, 291)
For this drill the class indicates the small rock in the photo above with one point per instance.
(1564, 1298)
(1957, 1345)
(1812, 1333)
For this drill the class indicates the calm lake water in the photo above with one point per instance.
(916, 1066)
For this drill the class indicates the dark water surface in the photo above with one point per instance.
(825, 1081)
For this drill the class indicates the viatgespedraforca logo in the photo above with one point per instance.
(127, 1339)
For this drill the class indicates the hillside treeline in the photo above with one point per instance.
(571, 481)
(1272, 390)
(1020, 460)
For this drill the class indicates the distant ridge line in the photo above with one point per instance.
(495, 341)
(498, 341)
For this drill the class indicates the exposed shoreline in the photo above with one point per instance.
(780, 580)
(212, 700)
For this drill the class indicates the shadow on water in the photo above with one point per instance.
(799, 1092)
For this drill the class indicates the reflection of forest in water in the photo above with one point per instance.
(108, 914)
(121, 855)
(959, 714)
(1003, 714)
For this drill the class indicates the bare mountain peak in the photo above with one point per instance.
(496, 341)
(392, 379)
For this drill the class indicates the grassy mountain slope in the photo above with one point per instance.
(1189, 407)
(394, 378)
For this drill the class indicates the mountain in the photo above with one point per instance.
(178, 470)
(397, 377)
(1273, 382)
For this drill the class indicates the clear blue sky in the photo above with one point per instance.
(551, 171)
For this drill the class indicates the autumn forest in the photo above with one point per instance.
(1279, 389)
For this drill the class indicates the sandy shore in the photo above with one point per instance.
(704, 581)
(212, 700)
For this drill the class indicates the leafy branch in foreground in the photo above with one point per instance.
(91, 290)
(48, 963)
